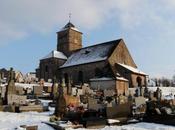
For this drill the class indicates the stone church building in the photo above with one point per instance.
(73, 62)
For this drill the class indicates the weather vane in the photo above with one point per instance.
(70, 16)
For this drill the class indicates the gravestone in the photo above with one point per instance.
(60, 108)
(158, 94)
(69, 86)
(54, 89)
(10, 89)
(140, 100)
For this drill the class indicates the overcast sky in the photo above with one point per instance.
(28, 30)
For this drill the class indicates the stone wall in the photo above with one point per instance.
(134, 80)
(88, 71)
(130, 76)
(69, 40)
(121, 55)
(49, 67)
(103, 84)
(122, 87)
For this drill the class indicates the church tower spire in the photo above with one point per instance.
(69, 17)
(69, 38)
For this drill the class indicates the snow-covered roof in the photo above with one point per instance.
(108, 78)
(102, 79)
(121, 78)
(132, 69)
(99, 52)
(73, 28)
(55, 54)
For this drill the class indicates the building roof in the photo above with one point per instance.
(95, 53)
(109, 79)
(132, 69)
(69, 25)
(121, 78)
(102, 79)
(55, 54)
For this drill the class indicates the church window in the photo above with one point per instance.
(46, 68)
(66, 78)
(139, 81)
(98, 72)
(80, 77)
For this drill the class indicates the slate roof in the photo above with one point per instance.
(55, 54)
(69, 25)
(95, 53)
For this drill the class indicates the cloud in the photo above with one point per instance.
(20, 18)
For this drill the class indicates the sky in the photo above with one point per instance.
(28, 30)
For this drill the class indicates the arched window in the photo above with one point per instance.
(66, 78)
(139, 81)
(46, 68)
(98, 72)
(80, 77)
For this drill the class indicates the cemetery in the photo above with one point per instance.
(93, 105)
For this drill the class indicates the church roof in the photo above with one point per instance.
(69, 25)
(132, 69)
(55, 54)
(95, 53)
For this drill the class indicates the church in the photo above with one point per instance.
(72, 61)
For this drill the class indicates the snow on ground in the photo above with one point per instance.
(167, 92)
(140, 126)
(10, 121)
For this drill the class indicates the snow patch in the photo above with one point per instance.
(55, 54)
(135, 70)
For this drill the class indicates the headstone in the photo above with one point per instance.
(74, 91)
(140, 100)
(10, 89)
(38, 90)
(34, 127)
(146, 92)
(108, 92)
(69, 86)
(79, 92)
(118, 111)
(158, 93)
(54, 89)
(1, 102)
(122, 99)
(11, 84)
(60, 102)
(92, 104)
(136, 92)
(130, 98)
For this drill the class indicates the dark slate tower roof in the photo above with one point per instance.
(69, 25)
(95, 53)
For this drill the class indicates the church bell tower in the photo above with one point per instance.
(69, 39)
